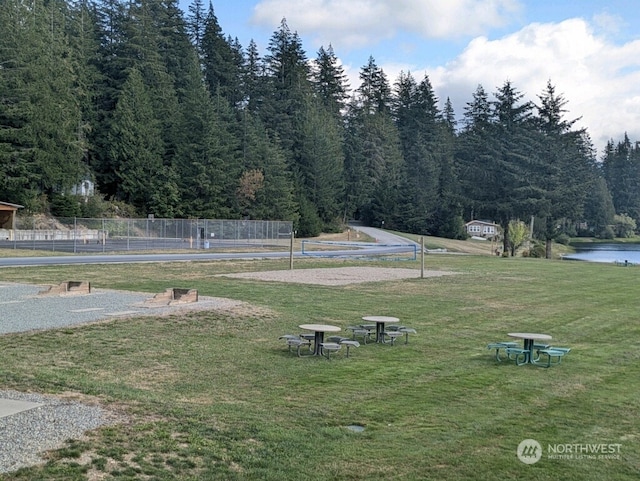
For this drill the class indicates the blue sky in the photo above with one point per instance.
(588, 49)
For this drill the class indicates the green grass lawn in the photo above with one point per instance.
(210, 395)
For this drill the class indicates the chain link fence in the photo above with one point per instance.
(109, 235)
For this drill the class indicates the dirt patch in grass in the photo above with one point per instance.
(337, 276)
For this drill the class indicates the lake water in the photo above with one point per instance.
(606, 253)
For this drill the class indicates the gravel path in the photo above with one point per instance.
(26, 435)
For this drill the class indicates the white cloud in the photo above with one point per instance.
(608, 23)
(600, 80)
(598, 77)
(355, 23)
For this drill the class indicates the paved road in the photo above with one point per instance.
(383, 236)
(386, 243)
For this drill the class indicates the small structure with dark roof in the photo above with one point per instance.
(8, 219)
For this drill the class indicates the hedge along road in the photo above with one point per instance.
(400, 244)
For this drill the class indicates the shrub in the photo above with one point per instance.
(563, 239)
(65, 205)
(309, 224)
(607, 233)
(538, 250)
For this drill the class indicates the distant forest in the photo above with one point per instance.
(170, 116)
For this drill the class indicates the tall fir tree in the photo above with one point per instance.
(265, 189)
(330, 81)
(418, 120)
(621, 167)
(137, 149)
(41, 150)
(373, 160)
(288, 74)
(321, 163)
(220, 62)
(196, 23)
(567, 166)
(494, 152)
(207, 156)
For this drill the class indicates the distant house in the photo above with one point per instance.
(481, 228)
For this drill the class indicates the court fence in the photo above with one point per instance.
(108, 234)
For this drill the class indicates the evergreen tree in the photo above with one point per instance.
(265, 190)
(418, 122)
(373, 159)
(252, 79)
(137, 151)
(448, 220)
(374, 93)
(517, 158)
(474, 155)
(321, 164)
(621, 166)
(176, 51)
(288, 72)
(477, 113)
(196, 23)
(448, 116)
(84, 39)
(497, 152)
(598, 210)
(207, 155)
(220, 62)
(40, 147)
(330, 82)
(566, 166)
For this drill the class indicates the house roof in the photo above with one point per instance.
(483, 222)
(12, 206)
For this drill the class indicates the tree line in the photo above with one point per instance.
(169, 116)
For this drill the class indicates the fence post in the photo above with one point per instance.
(421, 257)
(293, 234)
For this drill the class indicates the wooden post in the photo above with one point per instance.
(293, 234)
(421, 257)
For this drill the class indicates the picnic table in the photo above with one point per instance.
(380, 323)
(318, 338)
(529, 339)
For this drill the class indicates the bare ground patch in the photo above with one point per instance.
(337, 276)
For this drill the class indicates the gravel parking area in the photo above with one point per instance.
(22, 309)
